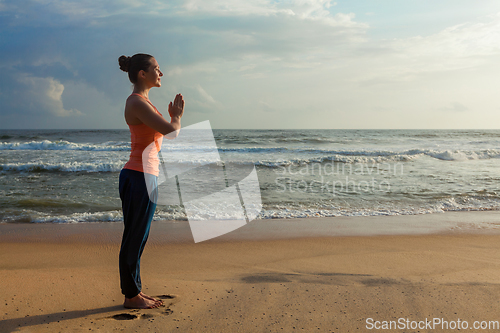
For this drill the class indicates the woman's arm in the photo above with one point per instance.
(139, 109)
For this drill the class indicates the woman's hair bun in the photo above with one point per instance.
(124, 63)
(134, 64)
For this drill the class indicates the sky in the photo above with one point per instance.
(255, 64)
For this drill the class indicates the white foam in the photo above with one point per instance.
(362, 157)
(65, 145)
(62, 167)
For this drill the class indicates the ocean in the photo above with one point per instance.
(71, 176)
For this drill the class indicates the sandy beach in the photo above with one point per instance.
(350, 274)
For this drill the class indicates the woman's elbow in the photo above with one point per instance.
(172, 133)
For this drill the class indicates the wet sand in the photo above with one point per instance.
(307, 275)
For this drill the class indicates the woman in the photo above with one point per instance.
(146, 125)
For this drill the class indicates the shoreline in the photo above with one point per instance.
(472, 222)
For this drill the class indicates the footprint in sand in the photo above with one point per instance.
(130, 316)
(146, 316)
(124, 316)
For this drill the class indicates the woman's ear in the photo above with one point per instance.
(142, 73)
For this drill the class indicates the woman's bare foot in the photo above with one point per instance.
(151, 298)
(140, 302)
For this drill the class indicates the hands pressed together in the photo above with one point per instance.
(177, 108)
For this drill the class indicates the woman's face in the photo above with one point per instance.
(154, 74)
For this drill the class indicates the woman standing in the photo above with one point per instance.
(146, 125)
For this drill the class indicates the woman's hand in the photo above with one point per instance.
(177, 108)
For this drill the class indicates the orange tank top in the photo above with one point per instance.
(141, 137)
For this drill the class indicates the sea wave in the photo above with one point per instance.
(333, 159)
(441, 206)
(371, 157)
(438, 154)
(65, 145)
(383, 157)
(62, 167)
(301, 154)
(346, 158)
(164, 213)
(32, 216)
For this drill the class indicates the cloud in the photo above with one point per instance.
(44, 95)
(204, 95)
(265, 107)
(199, 100)
(456, 107)
(246, 67)
(64, 12)
(186, 32)
(462, 47)
(453, 47)
(227, 55)
(194, 69)
(92, 12)
(229, 7)
(317, 10)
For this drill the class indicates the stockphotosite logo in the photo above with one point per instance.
(218, 197)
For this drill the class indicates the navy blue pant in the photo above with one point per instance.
(138, 211)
